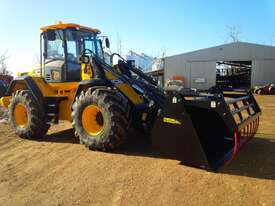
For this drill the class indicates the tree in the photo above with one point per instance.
(162, 52)
(3, 64)
(233, 33)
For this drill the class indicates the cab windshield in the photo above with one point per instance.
(76, 42)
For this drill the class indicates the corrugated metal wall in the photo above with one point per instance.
(176, 66)
(263, 72)
(203, 74)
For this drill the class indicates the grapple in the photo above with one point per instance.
(205, 129)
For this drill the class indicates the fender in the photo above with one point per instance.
(83, 85)
(27, 83)
(95, 83)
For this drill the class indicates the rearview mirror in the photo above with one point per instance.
(83, 59)
(107, 43)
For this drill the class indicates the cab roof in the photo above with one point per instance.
(69, 25)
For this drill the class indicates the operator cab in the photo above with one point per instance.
(62, 45)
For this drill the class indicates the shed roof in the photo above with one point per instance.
(237, 51)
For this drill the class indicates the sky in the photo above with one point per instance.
(144, 26)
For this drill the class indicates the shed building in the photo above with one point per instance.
(238, 64)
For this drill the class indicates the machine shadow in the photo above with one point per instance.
(65, 136)
(257, 159)
(139, 145)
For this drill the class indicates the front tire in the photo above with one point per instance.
(101, 119)
(25, 117)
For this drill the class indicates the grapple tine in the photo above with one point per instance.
(253, 128)
(235, 148)
(249, 126)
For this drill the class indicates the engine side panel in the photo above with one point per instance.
(64, 93)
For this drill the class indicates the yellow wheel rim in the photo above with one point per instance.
(20, 115)
(92, 120)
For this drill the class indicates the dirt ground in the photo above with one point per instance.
(57, 170)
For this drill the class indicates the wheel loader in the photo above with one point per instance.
(104, 102)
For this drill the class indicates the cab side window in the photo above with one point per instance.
(55, 47)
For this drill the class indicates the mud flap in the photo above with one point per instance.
(201, 129)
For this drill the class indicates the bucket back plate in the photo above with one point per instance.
(175, 136)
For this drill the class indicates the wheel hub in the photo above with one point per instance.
(92, 120)
(20, 115)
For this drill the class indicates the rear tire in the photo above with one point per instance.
(25, 116)
(108, 111)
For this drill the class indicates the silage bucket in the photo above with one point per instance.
(205, 129)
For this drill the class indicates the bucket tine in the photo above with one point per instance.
(253, 129)
(235, 148)
(249, 130)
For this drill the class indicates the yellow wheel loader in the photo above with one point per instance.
(104, 102)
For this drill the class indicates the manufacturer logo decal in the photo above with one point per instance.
(171, 121)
